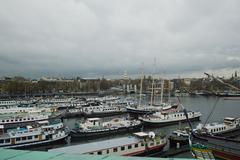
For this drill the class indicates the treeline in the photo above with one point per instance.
(29, 87)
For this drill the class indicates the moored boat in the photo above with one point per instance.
(44, 133)
(230, 127)
(94, 128)
(24, 118)
(139, 144)
(162, 119)
(220, 147)
(102, 110)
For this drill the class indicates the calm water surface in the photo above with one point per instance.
(224, 108)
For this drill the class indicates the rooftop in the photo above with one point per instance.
(9, 154)
(95, 146)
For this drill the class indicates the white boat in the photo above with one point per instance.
(15, 109)
(28, 136)
(26, 117)
(139, 144)
(103, 99)
(226, 128)
(56, 100)
(103, 110)
(8, 103)
(163, 119)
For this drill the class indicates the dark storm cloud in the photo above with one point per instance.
(88, 37)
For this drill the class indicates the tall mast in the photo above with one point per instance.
(152, 91)
(140, 96)
(169, 88)
(162, 85)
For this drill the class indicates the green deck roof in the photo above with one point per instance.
(9, 154)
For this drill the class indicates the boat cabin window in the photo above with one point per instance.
(91, 153)
(142, 144)
(136, 145)
(107, 151)
(151, 144)
(36, 136)
(24, 138)
(7, 140)
(99, 152)
(115, 149)
(1, 140)
(29, 137)
(17, 139)
(158, 142)
(123, 148)
(129, 146)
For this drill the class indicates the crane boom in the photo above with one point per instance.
(224, 83)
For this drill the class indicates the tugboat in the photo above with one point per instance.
(22, 137)
(94, 128)
(139, 144)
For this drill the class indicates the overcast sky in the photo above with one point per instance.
(106, 37)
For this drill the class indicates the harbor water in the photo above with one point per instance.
(212, 108)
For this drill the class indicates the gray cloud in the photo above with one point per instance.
(88, 37)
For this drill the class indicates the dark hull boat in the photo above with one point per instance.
(163, 124)
(138, 111)
(205, 146)
(95, 128)
(78, 134)
(222, 148)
